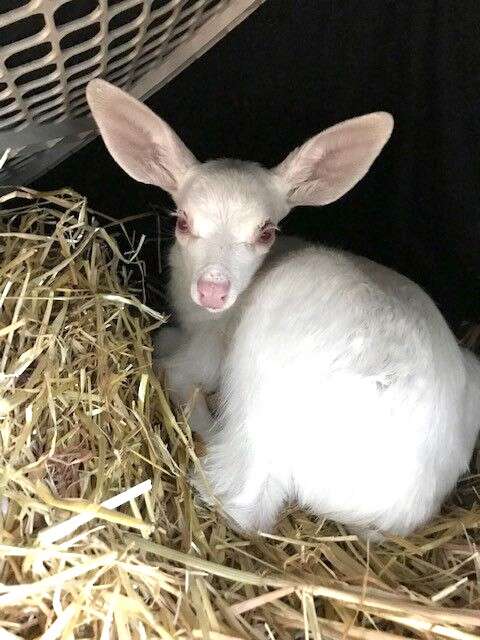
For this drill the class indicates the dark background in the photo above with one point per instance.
(297, 66)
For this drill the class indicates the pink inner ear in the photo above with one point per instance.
(141, 142)
(158, 165)
(331, 163)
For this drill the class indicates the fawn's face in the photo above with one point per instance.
(226, 224)
(227, 210)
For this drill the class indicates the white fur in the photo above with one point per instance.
(340, 384)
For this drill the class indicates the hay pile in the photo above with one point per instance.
(84, 422)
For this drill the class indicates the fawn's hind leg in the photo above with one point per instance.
(249, 497)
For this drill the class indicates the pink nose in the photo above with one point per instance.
(212, 294)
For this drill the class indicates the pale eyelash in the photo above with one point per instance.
(275, 227)
(177, 214)
(268, 224)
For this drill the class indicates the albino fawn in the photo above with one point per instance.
(340, 384)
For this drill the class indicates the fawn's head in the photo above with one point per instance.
(228, 210)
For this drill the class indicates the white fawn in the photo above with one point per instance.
(340, 385)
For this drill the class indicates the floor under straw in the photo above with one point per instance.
(100, 535)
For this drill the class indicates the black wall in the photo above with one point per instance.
(297, 66)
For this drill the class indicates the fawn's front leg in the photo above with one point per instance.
(192, 371)
(166, 341)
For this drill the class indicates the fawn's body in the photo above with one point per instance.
(340, 384)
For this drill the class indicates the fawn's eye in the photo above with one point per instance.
(266, 233)
(182, 224)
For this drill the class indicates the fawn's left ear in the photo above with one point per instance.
(328, 165)
(142, 143)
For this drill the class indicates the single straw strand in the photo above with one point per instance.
(57, 532)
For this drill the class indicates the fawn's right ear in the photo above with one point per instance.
(141, 142)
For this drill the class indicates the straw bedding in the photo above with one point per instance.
(100, 534)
